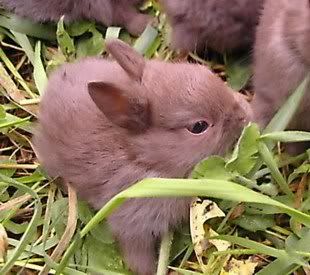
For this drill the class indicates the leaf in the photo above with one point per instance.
(185, 272)
(190, 188)
(212, 168)
(287, 136)
(200, 212)
(303, 169)
(77, 28)
(112, 32)
(39, 74)
(101, 232)
(28, 235)
(283, 117)
(258, 247)
(244, 155)
(8, 172)
(90, 46)
(146, 39)
(4, 244)
(270, 162)
(238, 267)
(26, 26)
(64, 40)
(255, 223)
(102, 257)
(2, 112)
(181, 242)
(59, 216)
(11, 120)
(284, 265)
(238, 70)
(24, 42)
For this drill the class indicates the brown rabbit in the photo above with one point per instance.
(217, 24)
(281, 59)
(108, 12)
(105, 125)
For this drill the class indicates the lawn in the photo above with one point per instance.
(251, 214)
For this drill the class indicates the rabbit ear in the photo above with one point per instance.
(127, 112)
(131, 61)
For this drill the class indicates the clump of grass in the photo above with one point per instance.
(260, 195)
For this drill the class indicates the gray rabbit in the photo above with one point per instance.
(281, 59)
(104, 125)
(108, 12)
(217, 24)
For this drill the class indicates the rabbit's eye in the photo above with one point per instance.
(198, 127)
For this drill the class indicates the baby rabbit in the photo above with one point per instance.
(104, 125)
(220, 25)
(108, 12)
(281, 59)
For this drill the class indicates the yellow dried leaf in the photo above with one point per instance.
(220, 245)
(4, 244)
(239, 267)
(200, 212)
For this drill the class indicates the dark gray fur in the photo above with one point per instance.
(281, 59)
(108, 12)
(222, 25)
(104, 125)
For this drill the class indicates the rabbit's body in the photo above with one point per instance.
(218, 24)
(134, 126)
(281, 59)
(108, 12)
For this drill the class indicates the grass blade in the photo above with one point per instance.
(39, 74)
(24, 42)
(22, 25)
(287, 136)
(185, 188)
(267, 157)
(27, 236)
(283, 117)
(145, 41)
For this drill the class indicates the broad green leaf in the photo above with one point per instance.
(78, 28)
(101, 232)
(59, 216)
(102, 256)
(212, 168)
(64, 40)
(181, 241)
(255, 223)
(90, 46)
(16, 228)
(238, 70)
(8, 172)
(11, 121)
(244, 155)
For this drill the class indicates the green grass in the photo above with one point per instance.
(263, 197)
